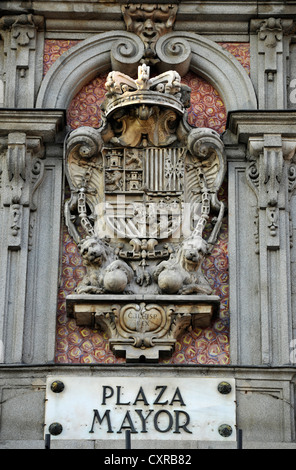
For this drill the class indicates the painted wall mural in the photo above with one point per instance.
(84, 345)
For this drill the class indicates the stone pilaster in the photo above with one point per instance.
(24, 168)
(22, 68)
(269, 61)
(260, 255)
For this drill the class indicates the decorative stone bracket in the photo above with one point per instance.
(22, 135)
(22, 174)
(272, 169)
(143, 327)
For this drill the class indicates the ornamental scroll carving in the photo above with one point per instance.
(23, 171)
(272, 163)
(143, 189)
(150, 40)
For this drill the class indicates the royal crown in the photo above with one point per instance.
(163, 90)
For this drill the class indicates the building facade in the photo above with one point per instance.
(147, 221)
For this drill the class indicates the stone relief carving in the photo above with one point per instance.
(21, 49)
(143, 188)
(21, 179)
(149, 22)
(272, 160)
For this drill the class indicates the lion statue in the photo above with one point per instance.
(105, 273)
(181, 274)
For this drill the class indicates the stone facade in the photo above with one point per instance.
(168, 105)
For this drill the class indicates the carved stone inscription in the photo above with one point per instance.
(143, 188)
(143, 326)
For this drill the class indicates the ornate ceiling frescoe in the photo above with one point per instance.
(143, 188)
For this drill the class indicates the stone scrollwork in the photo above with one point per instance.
(174, 52)
(126, 54)
(271, 161)
(143, 188)
(153, 25)
(83, 147)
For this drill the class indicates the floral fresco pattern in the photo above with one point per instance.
(241, 51)
(84, 345)
(53, 49)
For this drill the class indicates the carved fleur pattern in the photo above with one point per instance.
(84, 345)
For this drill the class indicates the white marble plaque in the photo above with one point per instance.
(166, 408)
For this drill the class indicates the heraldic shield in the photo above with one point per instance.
(143, 188)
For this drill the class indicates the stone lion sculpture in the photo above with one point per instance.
(105, 273)
(182, 274)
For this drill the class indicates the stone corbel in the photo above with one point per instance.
(22, 168)
(22, 174)
(142, 328)
(265, 177)
(272, 175)
(270, 142)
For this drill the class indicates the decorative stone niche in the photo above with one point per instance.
(143, 188)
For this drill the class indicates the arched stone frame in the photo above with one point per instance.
(103, 52)
(123, 51)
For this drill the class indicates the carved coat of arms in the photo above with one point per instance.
(143, 188)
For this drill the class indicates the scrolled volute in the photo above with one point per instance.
(126, 54)
(202, 141)
(84, 143)
(173, 52)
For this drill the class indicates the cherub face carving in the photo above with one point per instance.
(149, 22)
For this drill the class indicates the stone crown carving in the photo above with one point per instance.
(123, 90)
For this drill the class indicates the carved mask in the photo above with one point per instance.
(149, 22)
